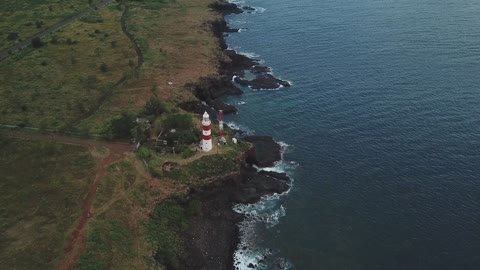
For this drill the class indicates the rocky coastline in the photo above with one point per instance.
(213, 234)
(232, 68)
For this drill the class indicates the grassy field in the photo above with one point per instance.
(19, 19)
(178, 48)
(42, 189)
(61, 85)
(54, 85)
(116, 234)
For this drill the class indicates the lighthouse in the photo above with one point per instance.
(206, 144)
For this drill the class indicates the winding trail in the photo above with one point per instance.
(123, 22)
(104, 97)
(117, 152)
(45, 32)
(78, 239)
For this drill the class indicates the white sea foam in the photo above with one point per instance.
(249, 54)
(236, 126)
(266, 212)
(258, 10)
(237, 2)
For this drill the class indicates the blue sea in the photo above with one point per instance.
(381, 132)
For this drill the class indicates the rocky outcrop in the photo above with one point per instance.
(236, 64)
(226, 8)
(265, 151)
(197, 107)
(210, 88)
(213, 235)
(220, 105)
(261, 69)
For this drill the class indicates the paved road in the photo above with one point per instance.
(27, 42)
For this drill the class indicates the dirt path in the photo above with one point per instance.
(107, 94)
(78, 238)
(117, 152)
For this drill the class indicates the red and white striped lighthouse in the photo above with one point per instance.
(206, 144)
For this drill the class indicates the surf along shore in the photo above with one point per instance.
(213, 236)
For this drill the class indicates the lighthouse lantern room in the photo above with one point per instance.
(206, 143)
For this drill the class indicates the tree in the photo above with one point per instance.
(155, 106)
(122, 126)
(178, 121)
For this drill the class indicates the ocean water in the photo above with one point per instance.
(382, 125)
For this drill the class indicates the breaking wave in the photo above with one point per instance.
(266, 213)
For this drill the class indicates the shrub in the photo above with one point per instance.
(177, 121)
(187, 153)
(104, 68)
(121, 127)
(143, 153)
(12, 36)
(155, 106)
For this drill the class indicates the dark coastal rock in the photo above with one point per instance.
(221, 26)
(226, 8)
(259, 185)
(214, 235)
(248, 8)
(210, 88)
(261, 69)
(220, 105)
(236, 64)
(265, 151)
(267, 81)
(198, 107)
(242, 82)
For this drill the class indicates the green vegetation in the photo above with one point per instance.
(201, 169)
(42, 190)
(115, 237)
(169, 222)
(122, 127)
(155, 106)
(21, 19)
(84, 78)
(67, 78)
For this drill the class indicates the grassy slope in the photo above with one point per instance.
(47, 88)
(116, 236)
(52, 86)
(20, 16)
(42, 190)
(178, 47)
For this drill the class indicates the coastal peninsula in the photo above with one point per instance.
(100, 126)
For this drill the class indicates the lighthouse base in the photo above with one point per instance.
(206, 145)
